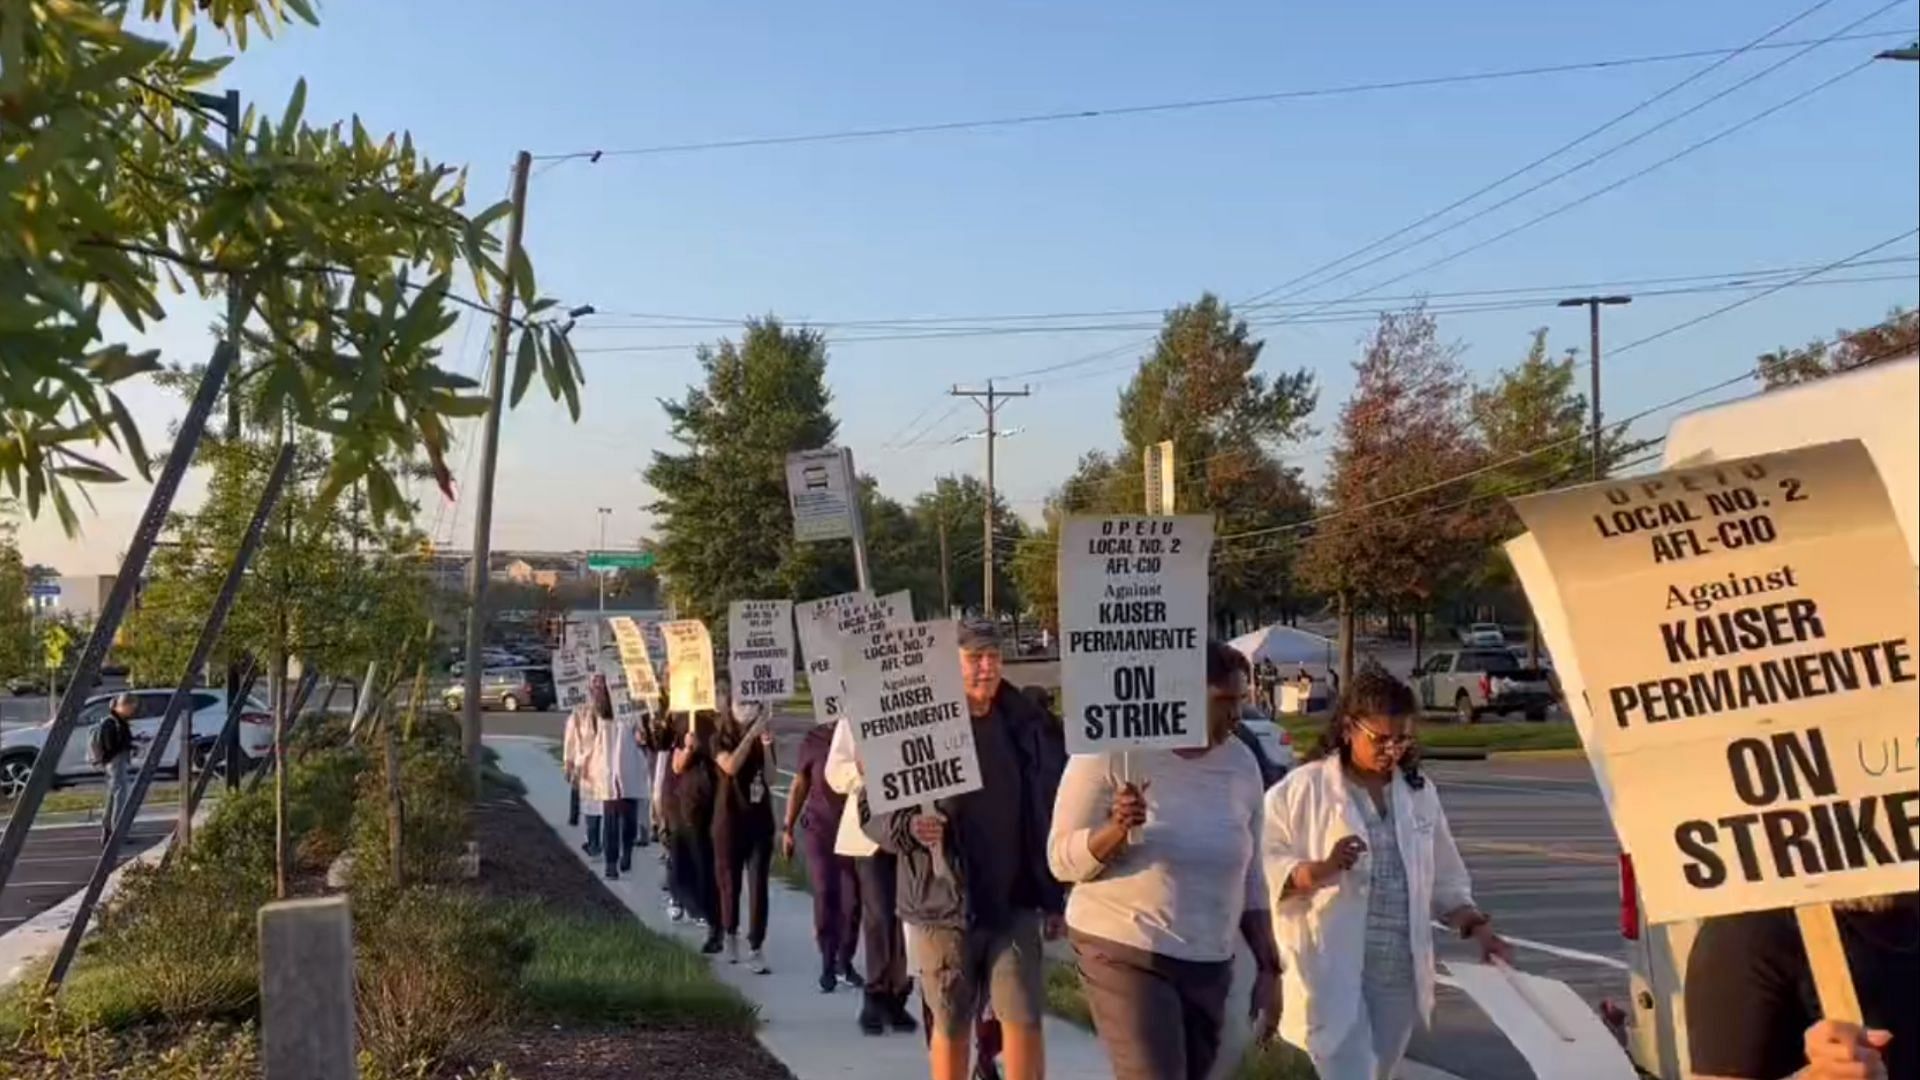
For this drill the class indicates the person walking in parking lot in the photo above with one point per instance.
(1358, 850)
(1164, 862)
(981, 941)
(110, 747)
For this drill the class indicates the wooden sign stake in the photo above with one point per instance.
(1827, 957)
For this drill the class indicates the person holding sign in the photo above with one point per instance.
(743, 821)
(616, 775)
(814, 809)
(1360, 855)
(695, 793)
(1753, 1013)
(979, 922)
(1164, 861)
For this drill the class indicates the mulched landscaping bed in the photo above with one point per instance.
(523, 859)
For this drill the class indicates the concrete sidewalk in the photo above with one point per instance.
(810, 1032)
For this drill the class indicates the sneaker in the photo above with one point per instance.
(733, 948)
(676, 913)
(873, 1015)
(757, 963)
(626, 866)
(828, 983)
(852, 978)
(613, 873)
(713, 945)
(898, 1018)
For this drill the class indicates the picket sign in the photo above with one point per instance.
(1744, 632)
(690, 686)
(760, 649)
(636, 660)
(819, 625)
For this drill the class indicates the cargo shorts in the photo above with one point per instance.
(962, 970)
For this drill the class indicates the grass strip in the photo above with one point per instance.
(596, 970)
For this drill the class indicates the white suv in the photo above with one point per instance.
(20, 747)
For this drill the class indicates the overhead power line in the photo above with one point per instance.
(1108, 112)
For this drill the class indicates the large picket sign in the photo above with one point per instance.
(625, 705)
(1133, 632)
(760, 649)
(571, 671)
(908, 709)
(636, 660)
(819, 623)
(689, 665)
(1745, 634)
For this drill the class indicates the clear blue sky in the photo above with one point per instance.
(1107, 213)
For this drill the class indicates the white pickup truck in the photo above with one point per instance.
(1473, 682)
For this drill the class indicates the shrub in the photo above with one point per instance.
(179, 942)
(58, 1048)
(433, 794)
(320, 797)
(436, 971)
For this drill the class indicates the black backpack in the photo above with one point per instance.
(108, 740)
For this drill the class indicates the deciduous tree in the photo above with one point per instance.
(1895, 336)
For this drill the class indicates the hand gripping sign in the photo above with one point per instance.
(1133, 632)
(760, 649)
(1745, 633)
(908, 708)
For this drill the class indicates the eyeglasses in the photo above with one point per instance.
(1383, 739)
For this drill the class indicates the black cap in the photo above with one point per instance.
(979, 635)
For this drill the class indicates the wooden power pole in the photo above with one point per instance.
(989, 401)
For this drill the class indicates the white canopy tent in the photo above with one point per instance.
(1286, 646)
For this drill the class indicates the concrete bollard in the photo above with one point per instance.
(306, 989)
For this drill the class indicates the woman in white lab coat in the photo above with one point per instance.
(615, 773)
(1361, 861)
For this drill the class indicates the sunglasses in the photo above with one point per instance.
(1385, 740)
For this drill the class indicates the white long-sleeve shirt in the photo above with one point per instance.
(843, 775)
(1180, 888)
(1323, 934)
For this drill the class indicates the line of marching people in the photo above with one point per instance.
(705, 784)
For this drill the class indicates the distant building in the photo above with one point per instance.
(544, 569)
(75, 596)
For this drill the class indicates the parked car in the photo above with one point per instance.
(1483, 635)
(20, 747)
(1272, 745)
(1473, 682)
(510, 689)
(27, 685)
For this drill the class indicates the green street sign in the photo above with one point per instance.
(619, 560)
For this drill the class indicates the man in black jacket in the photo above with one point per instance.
(979, 927)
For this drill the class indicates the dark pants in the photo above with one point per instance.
(1159, 1018)
(743, 855)
(621, 831)
(880, 927)
(836, 900)
(691, 871)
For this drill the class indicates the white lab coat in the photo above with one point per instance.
(577, 740)
(1322, 936)
(612, 766)
(843, 776)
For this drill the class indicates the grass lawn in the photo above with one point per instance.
(77, 800)
(589, 970)
(1492, 737)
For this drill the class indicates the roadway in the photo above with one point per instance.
(1536, 838)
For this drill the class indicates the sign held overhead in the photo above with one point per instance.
(689, 666)
(760, 649)
(1133, 632)
(636, 660)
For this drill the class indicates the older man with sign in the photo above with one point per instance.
(760, 649)
(1133, 632)
(1745, 631)
(980, 769)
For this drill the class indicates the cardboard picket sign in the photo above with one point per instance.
(625, 706)
(689, 666)
(1133, 632)
(571, 673)
(636, 660)
(819, 625)
(1744, 632)
(908, 708)
(760, 649)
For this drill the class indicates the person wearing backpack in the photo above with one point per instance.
(110, 748)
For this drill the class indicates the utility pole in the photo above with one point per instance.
(489, 462)
(601, 618)
(946, 586)
(989, 401)
(1593, 304)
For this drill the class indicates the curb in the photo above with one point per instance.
(1568, 753)
(1452, 753)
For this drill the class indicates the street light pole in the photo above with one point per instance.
(1593, 304)
(601, 619)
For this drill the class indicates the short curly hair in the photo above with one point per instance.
(1373, 691)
